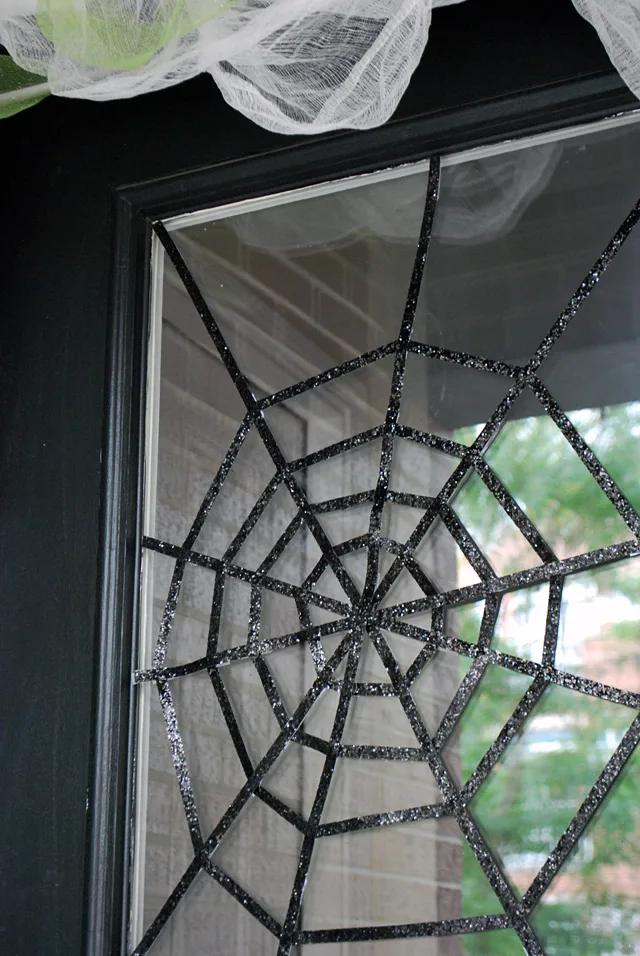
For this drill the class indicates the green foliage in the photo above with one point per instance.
(540, 468)
(117, 36)
(539, 783)
(613, 434)
(18, 89)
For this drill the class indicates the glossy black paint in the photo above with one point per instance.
(75, 235)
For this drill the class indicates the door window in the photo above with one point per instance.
(389, 668)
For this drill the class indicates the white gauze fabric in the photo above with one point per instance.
(618, 25)
(293, 66)
(479, 201)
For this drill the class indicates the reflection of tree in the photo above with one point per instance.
(592, 907)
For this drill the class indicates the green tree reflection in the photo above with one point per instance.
(592, 908)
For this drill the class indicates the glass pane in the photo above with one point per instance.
(435, 686)
(322, 717)
(253, 713)
(502, 942)
(399, 521)
(208, 913)
(165, 849)
(298, 559)
(532, 456)
(235, 616)
(362, 787)
(407, 873)
(406, 651)
(532, 794)
(493, 530)
(600, 626)
(442, 396)
(444, 563)
(355, 563)
(592, 373)
(330, 413)
(370, 665)
(349, 473)
(465, 622)
(199, 409)
(188, 638)
(404, 587)
(302, 286)
(405, 947)
(215, 769)
(521, 625)
(226, 521)
(261, 852)
(497, 696)
(346, 523)
(376, 579)
(592, 905)
(293, 672)
(378, 721)
(419, 470)
(280, 511)
(295, 776)
(515, 234)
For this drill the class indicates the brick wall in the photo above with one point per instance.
(339, 303)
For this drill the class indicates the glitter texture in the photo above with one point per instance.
(365, 615)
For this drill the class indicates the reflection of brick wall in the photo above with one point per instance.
(449, 871)
(405, 873)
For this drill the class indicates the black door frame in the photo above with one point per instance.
(137, 207)
(75, 242)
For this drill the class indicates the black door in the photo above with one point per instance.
(76, 238)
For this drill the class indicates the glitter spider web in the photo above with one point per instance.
(363, 618)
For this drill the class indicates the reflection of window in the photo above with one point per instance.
(395, 629)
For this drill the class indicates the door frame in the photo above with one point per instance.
(136, 207)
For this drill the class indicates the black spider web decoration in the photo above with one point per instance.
(361, 617)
